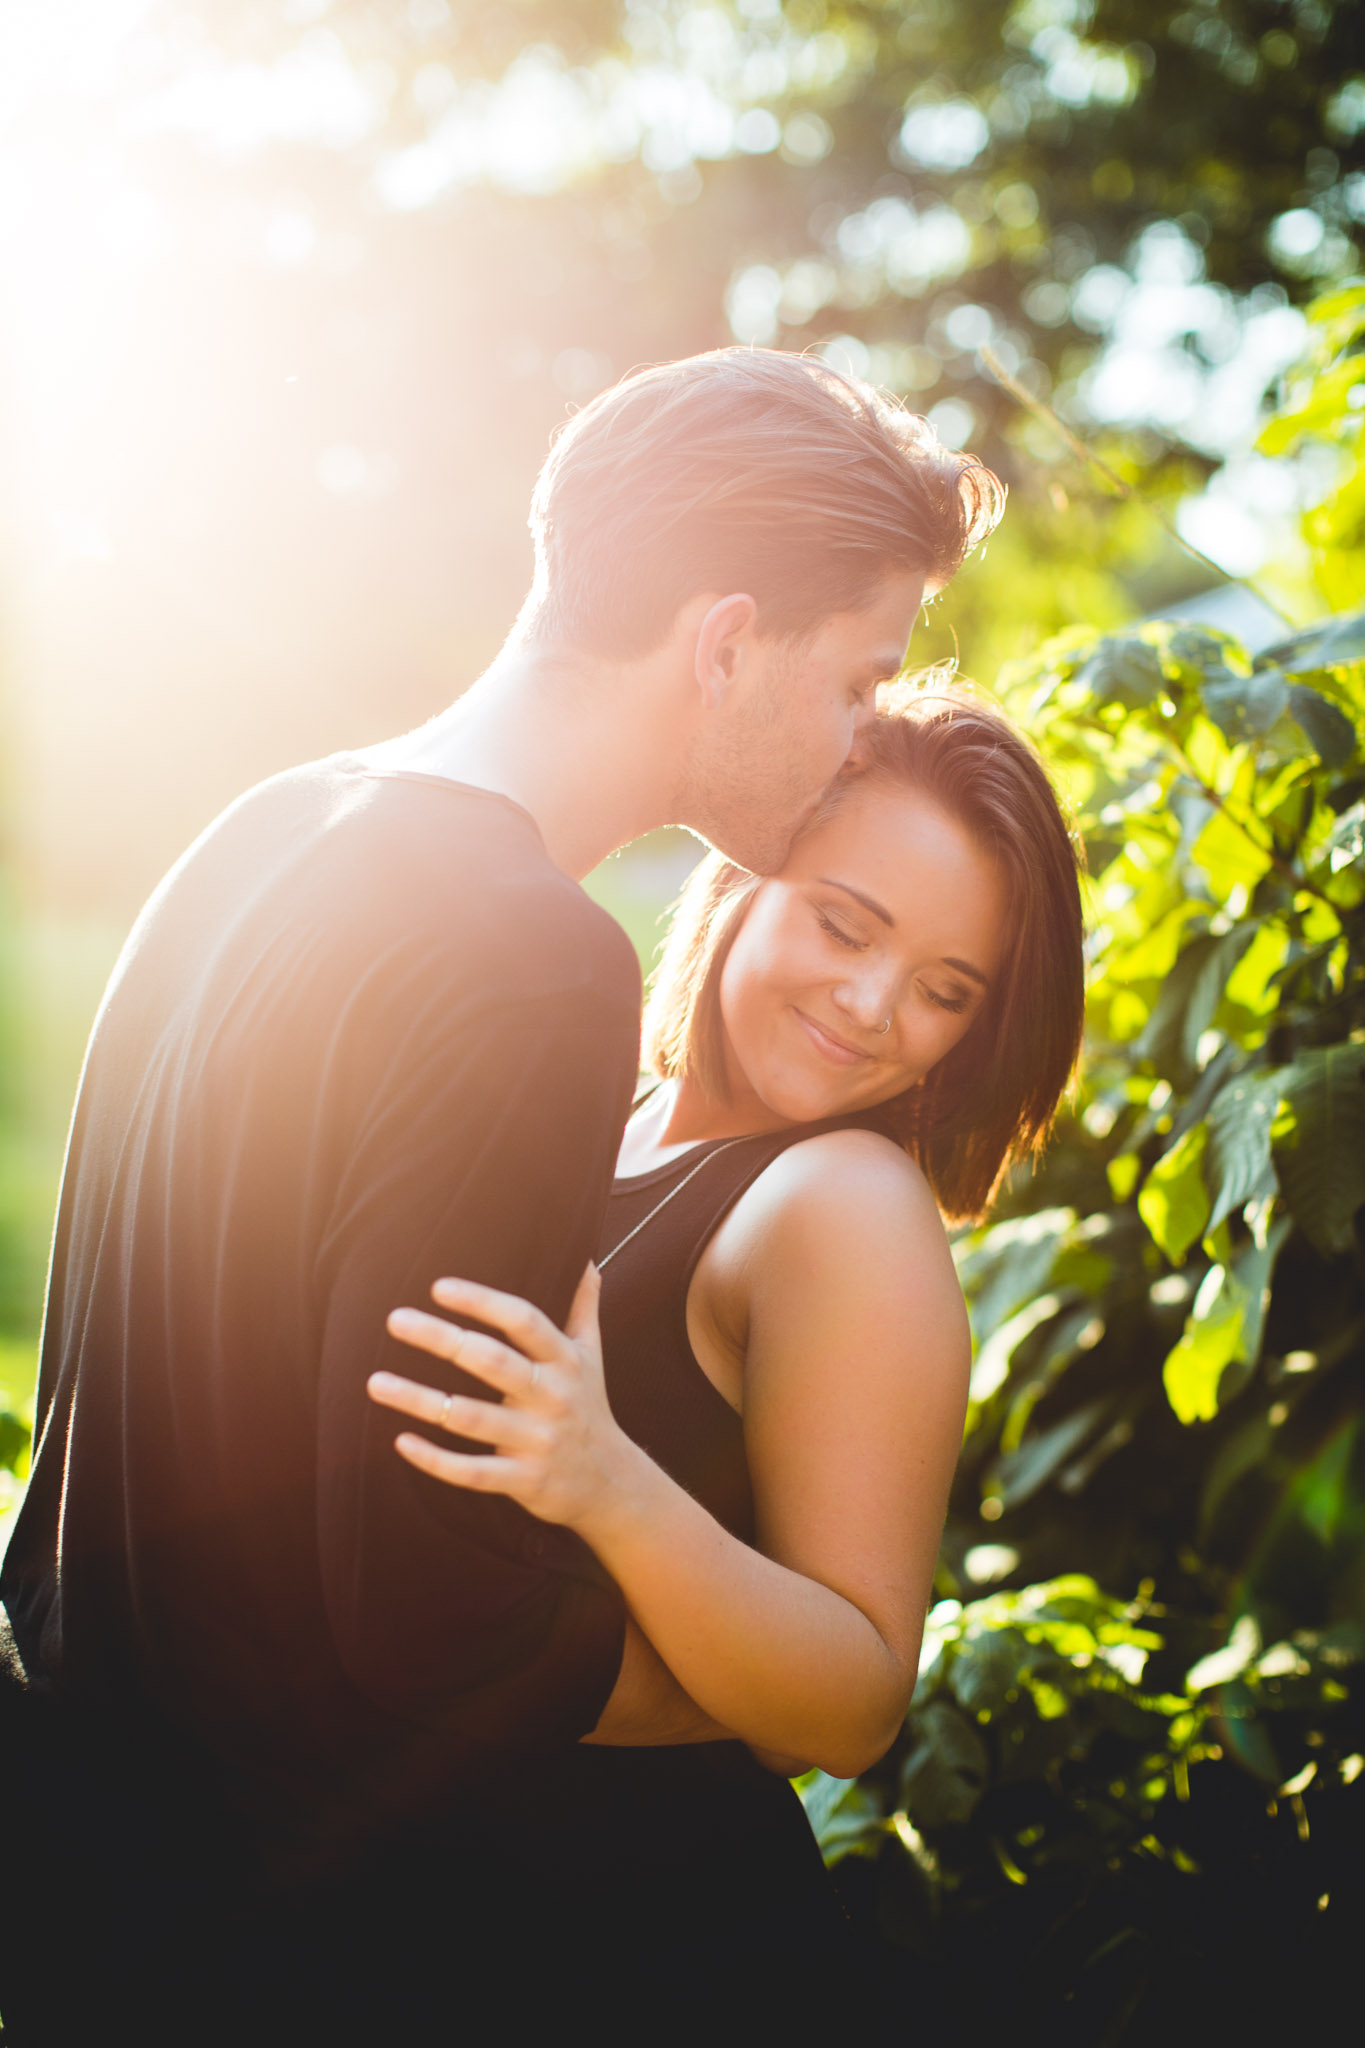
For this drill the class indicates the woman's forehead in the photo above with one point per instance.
(913, 865)
(879, 820)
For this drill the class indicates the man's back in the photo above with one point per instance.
(364, 1034)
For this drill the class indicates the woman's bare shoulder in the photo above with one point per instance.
(851, 1174)
(847, 1203)
(844, 1278)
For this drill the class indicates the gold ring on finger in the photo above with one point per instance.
(443, 1419)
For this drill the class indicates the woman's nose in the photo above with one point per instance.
(867, 1001)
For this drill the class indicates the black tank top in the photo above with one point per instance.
(711, 1849)
(657, 1226)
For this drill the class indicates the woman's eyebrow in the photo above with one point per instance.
(966, 967)
(868, 902)
(880, 910)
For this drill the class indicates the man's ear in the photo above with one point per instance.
(720, 636)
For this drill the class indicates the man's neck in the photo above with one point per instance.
(574, 746)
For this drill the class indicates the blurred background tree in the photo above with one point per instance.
(296, 292)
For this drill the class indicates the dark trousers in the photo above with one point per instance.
(117, 1886)
(132, 1907)
(129, 1909)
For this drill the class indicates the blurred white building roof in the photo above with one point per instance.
(1231, 608)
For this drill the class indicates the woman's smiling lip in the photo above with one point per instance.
(825, 1042)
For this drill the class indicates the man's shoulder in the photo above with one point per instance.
(487, 878)
(422, 868)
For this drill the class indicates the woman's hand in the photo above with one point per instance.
(558, 1450)
(556, 1447)
(855, 1378)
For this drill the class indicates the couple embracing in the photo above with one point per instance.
(459, 1505)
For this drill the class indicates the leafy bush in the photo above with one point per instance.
(1108, 1790)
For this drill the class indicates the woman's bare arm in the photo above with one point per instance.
(856, 1362)
(647, 1706)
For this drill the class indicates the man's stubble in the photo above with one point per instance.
(747, 793)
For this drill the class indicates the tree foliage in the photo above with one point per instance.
(905, 158)
(1120, 201)
(1148, 1747)
(1326, 405)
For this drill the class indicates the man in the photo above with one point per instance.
(368, 1031)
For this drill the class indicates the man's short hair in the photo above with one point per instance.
(745, 469)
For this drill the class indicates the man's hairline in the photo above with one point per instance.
(794, 637)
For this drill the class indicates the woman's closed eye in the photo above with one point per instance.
(838, 933)
(957, 1004)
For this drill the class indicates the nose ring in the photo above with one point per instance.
(882, 1029)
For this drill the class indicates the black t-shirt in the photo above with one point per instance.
(364, 1034)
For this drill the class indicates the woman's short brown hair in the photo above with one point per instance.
(993, 1098)
(745, 469)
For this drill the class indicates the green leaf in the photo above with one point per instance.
(1238, 1156)
(1174, 1203)
(1345, 305)
(1009, 1264)
(1343, 642)
(1244, 707)
(1020, 1474)
(1049, 1700)
(1191, 808)
(1250, 983)
(1322, 1494)
(1221, 1666)
(989, 1666)
(945, 1773)
(1230, 856)
(1244, 1452)
(1250, 1273)
(844, 1815)
(820, 1795)
(1335, 643)
(1329, 730)
(1211, 1339)
(1347, 842)
(1244, 1735)
(1197, 649)
(1124, 672)
(1242, 1282)
(1189, 999)
(1320, 1149)
(1323, 410)
(1153, 952)
(1077, 1331)
(992, 1366)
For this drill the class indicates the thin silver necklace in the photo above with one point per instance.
(676, 1189)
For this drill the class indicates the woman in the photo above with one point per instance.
(849, 1053)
